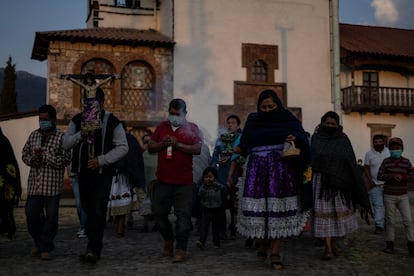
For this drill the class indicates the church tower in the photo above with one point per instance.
(136, 14)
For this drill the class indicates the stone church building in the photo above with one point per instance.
(217, 55)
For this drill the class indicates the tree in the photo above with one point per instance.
(8, 93)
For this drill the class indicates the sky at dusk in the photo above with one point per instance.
(20, 20)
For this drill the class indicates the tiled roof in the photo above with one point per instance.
(113, 36)
(377, 40)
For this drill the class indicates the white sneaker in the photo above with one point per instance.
(81, 233)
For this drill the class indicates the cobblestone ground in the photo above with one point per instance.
(140, 254)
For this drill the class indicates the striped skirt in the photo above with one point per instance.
(331, 219)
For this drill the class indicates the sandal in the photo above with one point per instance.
(261, 256)
(326, 256)
(336, 252)
(275, 262)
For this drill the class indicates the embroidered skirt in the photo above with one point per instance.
(331, 220)
(268, 206)
(122, 199)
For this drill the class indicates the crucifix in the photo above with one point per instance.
(92, 107)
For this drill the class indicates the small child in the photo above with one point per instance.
(396, 172)
(212, 196)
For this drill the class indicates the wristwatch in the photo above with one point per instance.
(179, 145)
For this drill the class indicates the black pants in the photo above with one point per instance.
(94, 192)
(213, 216)
(230, 205)
(233, 211)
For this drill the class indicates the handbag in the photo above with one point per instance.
(289, 150)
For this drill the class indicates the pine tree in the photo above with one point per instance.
(8, 93)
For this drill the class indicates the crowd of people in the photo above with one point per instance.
(269, 181)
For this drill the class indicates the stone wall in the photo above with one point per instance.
(68, 58)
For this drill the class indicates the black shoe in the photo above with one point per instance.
(200, 245)
(155, 228)
(379, 230)
(389, 249)
(318, 242)
(248, 243)
(89, 257)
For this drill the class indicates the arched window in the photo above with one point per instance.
(102, 66)
(259, 72)
(138, 86)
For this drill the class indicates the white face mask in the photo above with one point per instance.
(175, 120)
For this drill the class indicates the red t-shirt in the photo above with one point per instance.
(178, 169)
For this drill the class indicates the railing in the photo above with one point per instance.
(127, 3)
(378, 99)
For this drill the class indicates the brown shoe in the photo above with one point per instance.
(35, 252)
(179, 256)
(168, 248)
(45, 256)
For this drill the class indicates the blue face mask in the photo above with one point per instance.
(175, 120)
(45, 125)
(395, 153)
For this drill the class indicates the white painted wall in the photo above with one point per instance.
(386, 78)
(355, 126)
(209, 37)
(207, 55)
(17, 131)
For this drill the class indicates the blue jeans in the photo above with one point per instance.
(94, 191)
(42, 215)
(376, 195)
(79, 210)
(179, 197)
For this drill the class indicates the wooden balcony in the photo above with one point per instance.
(378, 99)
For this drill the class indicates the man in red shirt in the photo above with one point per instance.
(176, 141)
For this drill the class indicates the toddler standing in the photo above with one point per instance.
(212, 197)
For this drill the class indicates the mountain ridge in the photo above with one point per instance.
(30, 90)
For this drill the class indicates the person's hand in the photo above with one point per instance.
(290, 138)
(169, 141)
(37, 160)
(84, 134)
(93, 164)
(237, 150)
(229, 182)
(372, 185)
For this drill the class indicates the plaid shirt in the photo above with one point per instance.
(46, 180)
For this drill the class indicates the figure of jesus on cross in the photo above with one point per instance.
(92, 107)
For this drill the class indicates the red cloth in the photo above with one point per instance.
(178, 169)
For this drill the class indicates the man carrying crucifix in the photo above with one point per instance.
(95, 169)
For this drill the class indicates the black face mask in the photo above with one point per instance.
(329, 130)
